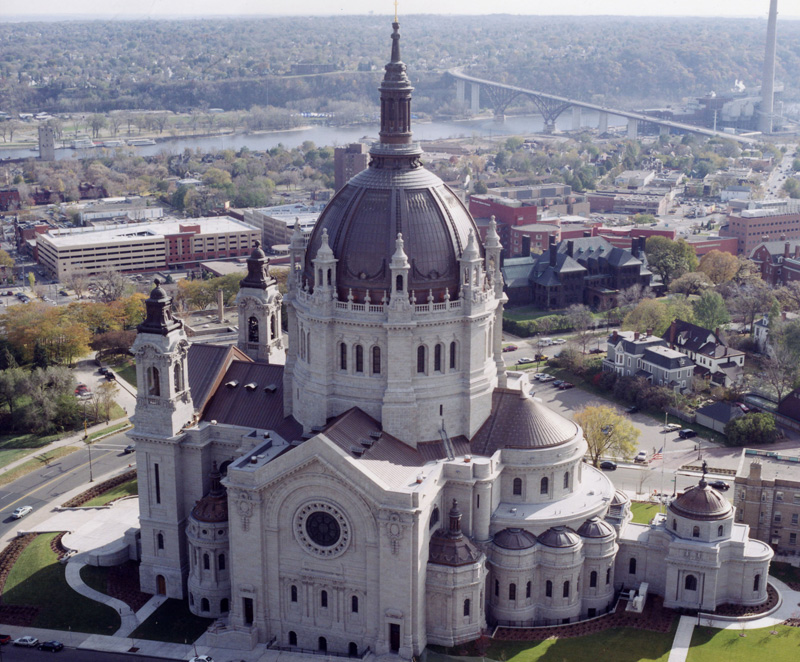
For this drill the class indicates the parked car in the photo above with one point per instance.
(201, 658)
(558, 382)
(632, 410)
(597, 350)
(546, 378)
(641, 457)
(52, 646)
(671, 427)
(510, 348)
(687, 433)
(20, 512)
(524, 359)
(720, 485)
(103, 370)
(110, 376)
(608, 465)
(566, 385)
(541, 357)
(130, 448)
(63, 293)
(26, 641)
(559, 341)
(545, 342)
(5, 638)
(9, 293)
(539, 375)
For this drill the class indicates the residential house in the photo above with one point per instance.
(713, 359)
(634, 354)
(717, 415)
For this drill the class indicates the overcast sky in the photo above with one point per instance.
(9, 9)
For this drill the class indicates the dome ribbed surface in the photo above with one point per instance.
(514, 539)
(594, 527)
(521, 422)
(211, 509)
(559, 536)
(619, 498)
(447, 550)
(701, 502)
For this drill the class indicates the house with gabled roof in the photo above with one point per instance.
(634, 354)
(713, 359)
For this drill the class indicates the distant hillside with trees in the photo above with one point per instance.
(234, 64)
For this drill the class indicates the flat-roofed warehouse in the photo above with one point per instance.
(142, 247)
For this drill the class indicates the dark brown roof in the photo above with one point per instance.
(559, 536)
(207, 366)
(514, 539)
(701, 502)
(518, 421)
(594, 527)
(256, 399)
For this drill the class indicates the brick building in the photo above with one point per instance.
(348, 161)
(752, 226)
(778, 261)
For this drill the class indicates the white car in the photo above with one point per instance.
(671, 427)
(546, 378)
(559, 341)
(641, 457)
(20, 512)
(202, 658)
(30, 642)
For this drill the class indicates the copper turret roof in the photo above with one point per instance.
(213, 507)
(514, 539)
(257, 269)
(701, 502)
(560, 537)
(450, 546)
(158, 318)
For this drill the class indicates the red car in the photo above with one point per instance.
(510, 348)
(563, 386)
(5, 638)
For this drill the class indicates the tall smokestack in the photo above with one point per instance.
(768, 78)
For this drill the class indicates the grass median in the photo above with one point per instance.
(38, 580)
(36, 463)
(129, 488)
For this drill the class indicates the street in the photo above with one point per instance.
(41, 488)
(10, 652)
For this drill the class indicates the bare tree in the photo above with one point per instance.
(111, 285)
(77, 282)
(780, 369)
(580, 318)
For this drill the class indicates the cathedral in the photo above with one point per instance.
(373, 481)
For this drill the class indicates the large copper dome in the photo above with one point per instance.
(395, 194)
(701, 502)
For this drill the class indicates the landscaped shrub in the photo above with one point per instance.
(751, 429)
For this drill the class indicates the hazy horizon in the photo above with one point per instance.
(144, 9)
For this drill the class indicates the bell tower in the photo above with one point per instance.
(259, 304)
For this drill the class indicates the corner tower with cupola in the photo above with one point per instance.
(259, 304)
(394, 305)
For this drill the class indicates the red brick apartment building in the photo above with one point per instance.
(752, 226)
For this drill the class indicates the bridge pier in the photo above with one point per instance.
(633, 128)
(602, 125)
(664, 130)
(461, 90)
(549, 127)
(476, 98)
(576, 118)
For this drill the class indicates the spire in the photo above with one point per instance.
(471, 251)
(257, 269)
(324, 251)
(399, 259)
(395, 98)
(492, 238)
(158, 319)
(455, 521)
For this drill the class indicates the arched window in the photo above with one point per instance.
(359, 358)
(720, 530)
(437, 358)
(566, 589)
(293, 593)
(206, 562)
(695, 532)
(224, 605)
(221, 562)
(177, 373)
(517, 486)
(690, 583)
(354, 604)
(466, 607)
(566, 480)
(544, 486)
(434, 517)
(292, 638)
(352, 649)
(273, 327)
(757, 583)
(376, 360)
(399, 283)
(322, 642)
(548, 589)
(512, 591)
(632, 567)
(528, 590)
(453, 355)
(593, 579)
(160, 541)
(421, 359)
(608, 576)
(323, 599)
(342, 356)
(204, 606)
(153, 382)
(674, 524)
(252, 330)
(330, 278)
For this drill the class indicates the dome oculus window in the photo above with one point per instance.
(322, 529)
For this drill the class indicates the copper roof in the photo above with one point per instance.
(518, 421)
(514, 539)
(594, 527)
(450, 546)
(559, 536)
(207, 366)
(213, 507)
(701, 502)
(250, 394)
(158, 318)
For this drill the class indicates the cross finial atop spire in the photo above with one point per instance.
(395, 11)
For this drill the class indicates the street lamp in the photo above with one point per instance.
(86, 440)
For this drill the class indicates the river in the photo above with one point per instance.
(322, 135)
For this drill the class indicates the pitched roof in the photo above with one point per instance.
(720, 411)
(206, 366)
(250, 394)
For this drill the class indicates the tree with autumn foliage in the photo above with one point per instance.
(607, 432)
(720, 267)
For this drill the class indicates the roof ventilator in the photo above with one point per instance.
(270, 388)
(232, 384)
(251, 386)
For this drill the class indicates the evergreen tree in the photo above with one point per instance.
(40, 356)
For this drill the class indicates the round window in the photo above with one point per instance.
(322, 529)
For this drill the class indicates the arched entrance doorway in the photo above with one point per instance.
(161, 585)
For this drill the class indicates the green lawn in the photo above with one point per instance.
(712, 645)
(785, 572)
(614, 645)
(109, 430)
(128, 373)
(32, 465)
(522, 313)
(644, 512)
(172, 622)
(37, 579)
(15, 446)
(128, 488)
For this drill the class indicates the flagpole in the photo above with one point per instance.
(663, 457)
